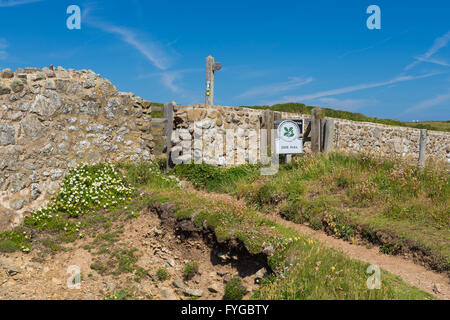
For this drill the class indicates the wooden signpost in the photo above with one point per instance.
(211, 67)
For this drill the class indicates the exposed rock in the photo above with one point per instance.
(46, 105)
(167, 294)
(112, 108)
(7, 134)
(193, 292)
(7, 74)
(33, 128)
(12, 270)
(178, 284)
(214, 288)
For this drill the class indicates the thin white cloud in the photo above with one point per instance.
(438, 44)
(150, 49)
(276, 88)
(171, 78)
(358, 87)
(426, 104)
(366, 48)
(433, 60)
(13, 3)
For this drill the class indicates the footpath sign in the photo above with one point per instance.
(289, 139)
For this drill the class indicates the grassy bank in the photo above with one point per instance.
(94, 197)
(400, 207)
(304, 109)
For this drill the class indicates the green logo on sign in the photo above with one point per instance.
(289, 132)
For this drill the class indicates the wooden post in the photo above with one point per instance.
(209, 93)
(328, 136)
(268, 125)
(422, 147)
(316, 115)
(168, 128)
(277, 117)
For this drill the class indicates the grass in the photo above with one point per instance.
(304, 109)
(387, 202)
(213, 178)
(234, 290)
(295, 257)
(162, 274)
(190, 269)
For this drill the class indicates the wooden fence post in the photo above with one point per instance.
(328, 136)
(168, 128)
(268, 125)
(422, 147)
(316, 129)
(277, 117)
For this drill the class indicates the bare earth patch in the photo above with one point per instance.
(33, 276)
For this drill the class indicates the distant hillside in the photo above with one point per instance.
(302, 108)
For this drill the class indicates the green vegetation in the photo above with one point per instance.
(213, 178)
(157, 114)
(162, 274)
(399, 206)
(304, 109)
(190, 269)
(85, 192)
(234, 290)
(303, 269)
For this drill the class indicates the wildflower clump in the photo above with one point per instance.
(85, 188)
(89, 187)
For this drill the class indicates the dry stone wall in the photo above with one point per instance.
(201, 132)
(52, 119)
(384, 140)
(349, 136)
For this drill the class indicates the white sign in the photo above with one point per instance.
(289, 138)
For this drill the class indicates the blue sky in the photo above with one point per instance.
(315, 52)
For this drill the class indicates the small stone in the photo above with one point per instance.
(214, 288)
(268, 250)
(167, 294)
(178, 284)
(12, 270)
(436, 288)
(110, 286)
(17, 204)
(222, 256)
(171, 262)
(193, 292)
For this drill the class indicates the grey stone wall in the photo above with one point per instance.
(349, 136)
(53, 119)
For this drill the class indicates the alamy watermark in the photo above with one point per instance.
(374, 20)
(74, 280)
(74, 20)
(374, 281)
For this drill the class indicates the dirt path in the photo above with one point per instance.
(432, 282)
